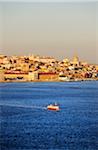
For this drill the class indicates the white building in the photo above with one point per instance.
(33, 76)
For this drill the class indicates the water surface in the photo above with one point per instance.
(26, 124)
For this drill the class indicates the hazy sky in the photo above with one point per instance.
(54, 29)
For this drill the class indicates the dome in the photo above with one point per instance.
(75, 59)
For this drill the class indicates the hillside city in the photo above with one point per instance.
(43, 68)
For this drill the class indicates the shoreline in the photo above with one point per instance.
(22, 81)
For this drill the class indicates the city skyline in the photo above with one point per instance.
(50, 29)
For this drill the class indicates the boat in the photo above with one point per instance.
(54, 107)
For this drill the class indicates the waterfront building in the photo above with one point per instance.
(33, 76)
(49, 76)
(1, 75)
(15, 75)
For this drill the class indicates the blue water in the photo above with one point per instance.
(26, 124)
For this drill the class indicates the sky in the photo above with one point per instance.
(57, 29)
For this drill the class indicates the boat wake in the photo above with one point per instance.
(24, 106)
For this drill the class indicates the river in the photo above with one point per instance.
(26, 124)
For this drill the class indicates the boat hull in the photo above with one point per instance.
(55, 108)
